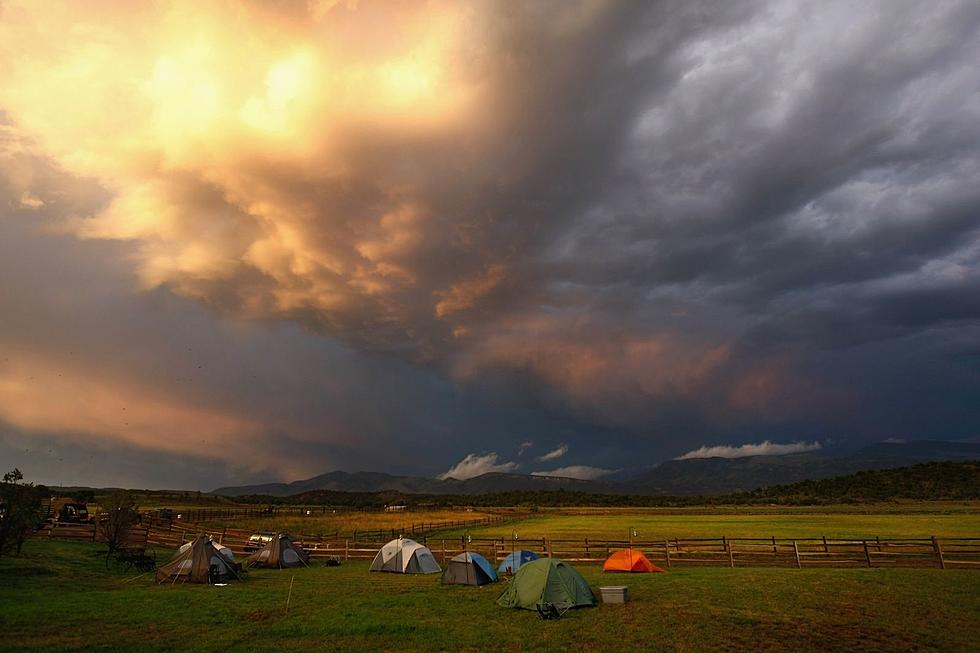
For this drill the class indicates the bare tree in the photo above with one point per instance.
(20, 510)
(116, 519)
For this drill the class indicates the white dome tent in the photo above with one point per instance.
(404, 556)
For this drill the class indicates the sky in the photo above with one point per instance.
(259, 241)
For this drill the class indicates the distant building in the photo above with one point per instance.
(395, 508)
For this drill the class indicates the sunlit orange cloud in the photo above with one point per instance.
(774, 387)
(231, 137)
(594, 369)
(466, 293)
(42, 396)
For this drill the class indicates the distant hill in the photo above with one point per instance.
(711, 476)
(697, 476)
(953, 481)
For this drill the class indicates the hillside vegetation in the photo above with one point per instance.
(936, 481)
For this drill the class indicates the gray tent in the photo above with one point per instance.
(281, 552)
(469, 569)
(404, 556)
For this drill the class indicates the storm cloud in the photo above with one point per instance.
(384, 236)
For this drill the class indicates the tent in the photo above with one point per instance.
(222, 549)
(547, 580)
(469, 569)
(281, 552)
(630, 561)
(404, 556)
(515, 560)
(201, 562)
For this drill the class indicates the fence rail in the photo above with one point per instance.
(137, 537)
(670, 552)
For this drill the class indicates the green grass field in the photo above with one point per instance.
(59, 597)
(916, 521)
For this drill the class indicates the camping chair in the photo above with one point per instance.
(549, 611)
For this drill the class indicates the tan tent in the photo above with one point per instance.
(201, 562)
(279, 553)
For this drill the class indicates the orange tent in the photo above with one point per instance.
(631, 561)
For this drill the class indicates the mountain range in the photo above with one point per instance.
(674, 477)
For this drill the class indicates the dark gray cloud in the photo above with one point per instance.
(662, 226)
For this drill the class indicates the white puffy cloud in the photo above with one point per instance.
(764, 448)
(524, 446)
(476, 464)
(555, 454)
(583, 472)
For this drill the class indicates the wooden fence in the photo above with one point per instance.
(668, 553)
(138, 537)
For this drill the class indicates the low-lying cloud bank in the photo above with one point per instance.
(475, 465)
(555, 454)
(764, 448)
(584, 472)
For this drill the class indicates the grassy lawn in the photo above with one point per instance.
(59, 597)
(653, 525)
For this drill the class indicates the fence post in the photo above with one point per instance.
(825, 548)
(796, 550)
(939, 552)
(731, 557)
(667, 552)
(346, 549)
(775, 551)
(867, 554)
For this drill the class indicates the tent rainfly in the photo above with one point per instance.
(469, 569)
(222, 549)
(279, 553)
(201, 562)
(547, 581)
(515, 560)
(405, 556)
(630, 561)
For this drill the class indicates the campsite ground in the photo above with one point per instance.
(59, 597)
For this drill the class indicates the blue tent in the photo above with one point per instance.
(469, 569)
(516, 560)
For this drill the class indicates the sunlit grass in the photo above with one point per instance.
(345, 523)
(59, 597)
(810, 523)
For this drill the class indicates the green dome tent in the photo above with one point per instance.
(548, 580)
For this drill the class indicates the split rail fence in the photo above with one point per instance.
(138, 537)
(938, 552)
